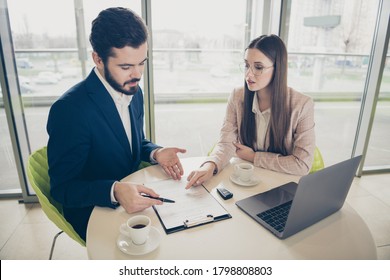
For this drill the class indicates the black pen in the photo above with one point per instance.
(159, 198)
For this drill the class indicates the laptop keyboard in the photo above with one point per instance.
(276, 217)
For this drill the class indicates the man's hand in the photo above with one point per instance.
(170, 162)
(130, 198)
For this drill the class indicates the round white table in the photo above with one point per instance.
(342, 235)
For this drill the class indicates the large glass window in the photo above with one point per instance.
(8, 172)
(197, 46)
(48, 55)
(329, 43)
(46, 58)
(378, 153)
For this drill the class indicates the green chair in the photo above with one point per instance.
(37, 172)
(143, 165)
(318, 162)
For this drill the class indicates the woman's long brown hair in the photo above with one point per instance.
(272, 47)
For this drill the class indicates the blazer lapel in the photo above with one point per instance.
(104, 102)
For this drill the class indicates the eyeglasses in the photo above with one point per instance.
(257, 70)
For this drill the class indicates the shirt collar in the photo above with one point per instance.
(117, 96)
(256, 109)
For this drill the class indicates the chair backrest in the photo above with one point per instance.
(37, 172)
(318, 162)
(143, 165)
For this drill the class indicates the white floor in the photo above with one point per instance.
(26, 233)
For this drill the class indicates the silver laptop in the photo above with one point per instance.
(290, 208)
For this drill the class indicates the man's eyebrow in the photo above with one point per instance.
(128, 64)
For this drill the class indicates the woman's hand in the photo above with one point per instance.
(201, 175)
(244, 152)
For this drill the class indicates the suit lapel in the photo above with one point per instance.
(104, 102)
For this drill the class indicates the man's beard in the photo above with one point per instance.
(115, 85)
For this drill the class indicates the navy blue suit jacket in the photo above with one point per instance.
(88, 149)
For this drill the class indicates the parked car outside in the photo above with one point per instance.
(48, 77)
(24, 63)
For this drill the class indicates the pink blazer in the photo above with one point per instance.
(300, 139)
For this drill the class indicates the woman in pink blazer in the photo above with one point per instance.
(266, 123)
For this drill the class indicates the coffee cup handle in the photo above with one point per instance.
(237, 170)
(123, 230)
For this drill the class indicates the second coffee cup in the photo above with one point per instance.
(244, 171)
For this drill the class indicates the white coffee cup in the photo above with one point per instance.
(137, 228)
(244, 171)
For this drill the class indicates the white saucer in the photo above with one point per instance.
(252, 182)
(125, 244)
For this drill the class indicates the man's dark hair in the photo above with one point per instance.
(116, 27)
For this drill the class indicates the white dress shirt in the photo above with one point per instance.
(262, 122)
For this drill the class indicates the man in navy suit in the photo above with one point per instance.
(95, 129)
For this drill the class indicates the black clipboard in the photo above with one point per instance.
(192, 208)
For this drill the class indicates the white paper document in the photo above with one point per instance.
(192, 207)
